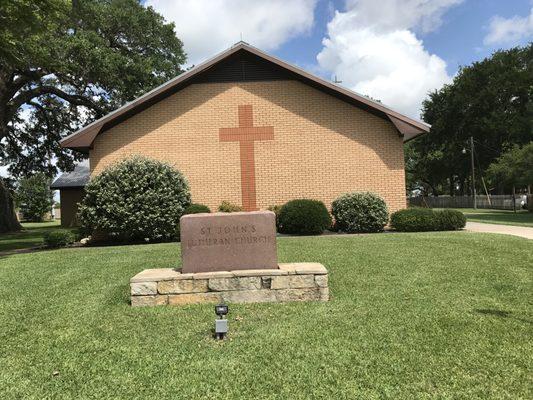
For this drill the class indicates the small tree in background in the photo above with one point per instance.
(34, 197)
(514, 168)
(137, 199)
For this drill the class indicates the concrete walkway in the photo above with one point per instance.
(521, 231)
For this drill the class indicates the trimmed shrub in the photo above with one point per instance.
(58, 238)
(414, 220)
(426, 219)
(304, 217)
(360, 212)
(275, 210)
(196, 208)
(137, 199)
(228, 207)
(450, 220)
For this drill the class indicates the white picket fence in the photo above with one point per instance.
(501, 202)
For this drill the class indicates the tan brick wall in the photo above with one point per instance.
(322, 146)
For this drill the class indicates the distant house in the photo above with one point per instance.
(251, 129)
(71, 190)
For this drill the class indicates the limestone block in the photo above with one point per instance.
(292, 282)
(182, 286)
(324, 293)
(305, 294)
(259, 272)
(237, 283)
(143, 288)
(321, 280)
(140, 301)
(194, 298)
(249, 296)
(288, 268)
(212, 274)
(159, 274)
(310, 268)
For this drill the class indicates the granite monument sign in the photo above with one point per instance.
(228, 241)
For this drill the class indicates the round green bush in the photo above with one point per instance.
(58, 238)
(137, 199)
(414, 220)
(304, 217)
(196, 208)
(425, 219)
(450, 220)
(360, 212)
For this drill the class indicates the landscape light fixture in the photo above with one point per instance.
(221, 324)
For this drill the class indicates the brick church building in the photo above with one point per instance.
(251, 129)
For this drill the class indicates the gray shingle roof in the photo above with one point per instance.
(75, 179)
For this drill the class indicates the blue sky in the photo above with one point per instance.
(392, 50)
(396, 51)
(459, 40)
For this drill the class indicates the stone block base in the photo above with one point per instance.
(291, 282)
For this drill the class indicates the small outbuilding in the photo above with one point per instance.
(71, 191)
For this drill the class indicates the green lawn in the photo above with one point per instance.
(30, 236)
(434, 315)
(501, 217)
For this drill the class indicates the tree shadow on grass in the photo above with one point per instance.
(497, 313)
(500, 314)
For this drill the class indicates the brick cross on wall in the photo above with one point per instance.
(246, 134)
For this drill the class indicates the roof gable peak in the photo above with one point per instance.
(82, 140)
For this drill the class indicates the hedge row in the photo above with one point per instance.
(139, 199)
(426, 219)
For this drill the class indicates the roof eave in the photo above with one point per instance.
(59, 187)
(408, 131)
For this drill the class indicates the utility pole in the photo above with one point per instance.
(473, 173)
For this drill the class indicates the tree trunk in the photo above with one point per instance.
(8, 219)
(514, 199)
(452, 188)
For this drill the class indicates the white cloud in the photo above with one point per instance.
(372, 47)
(210, 26)
(509, 30)
(424, 15)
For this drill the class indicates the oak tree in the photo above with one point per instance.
(64, 64)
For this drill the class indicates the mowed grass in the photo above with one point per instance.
(435, 315)
(30, 236)
(500, 217)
